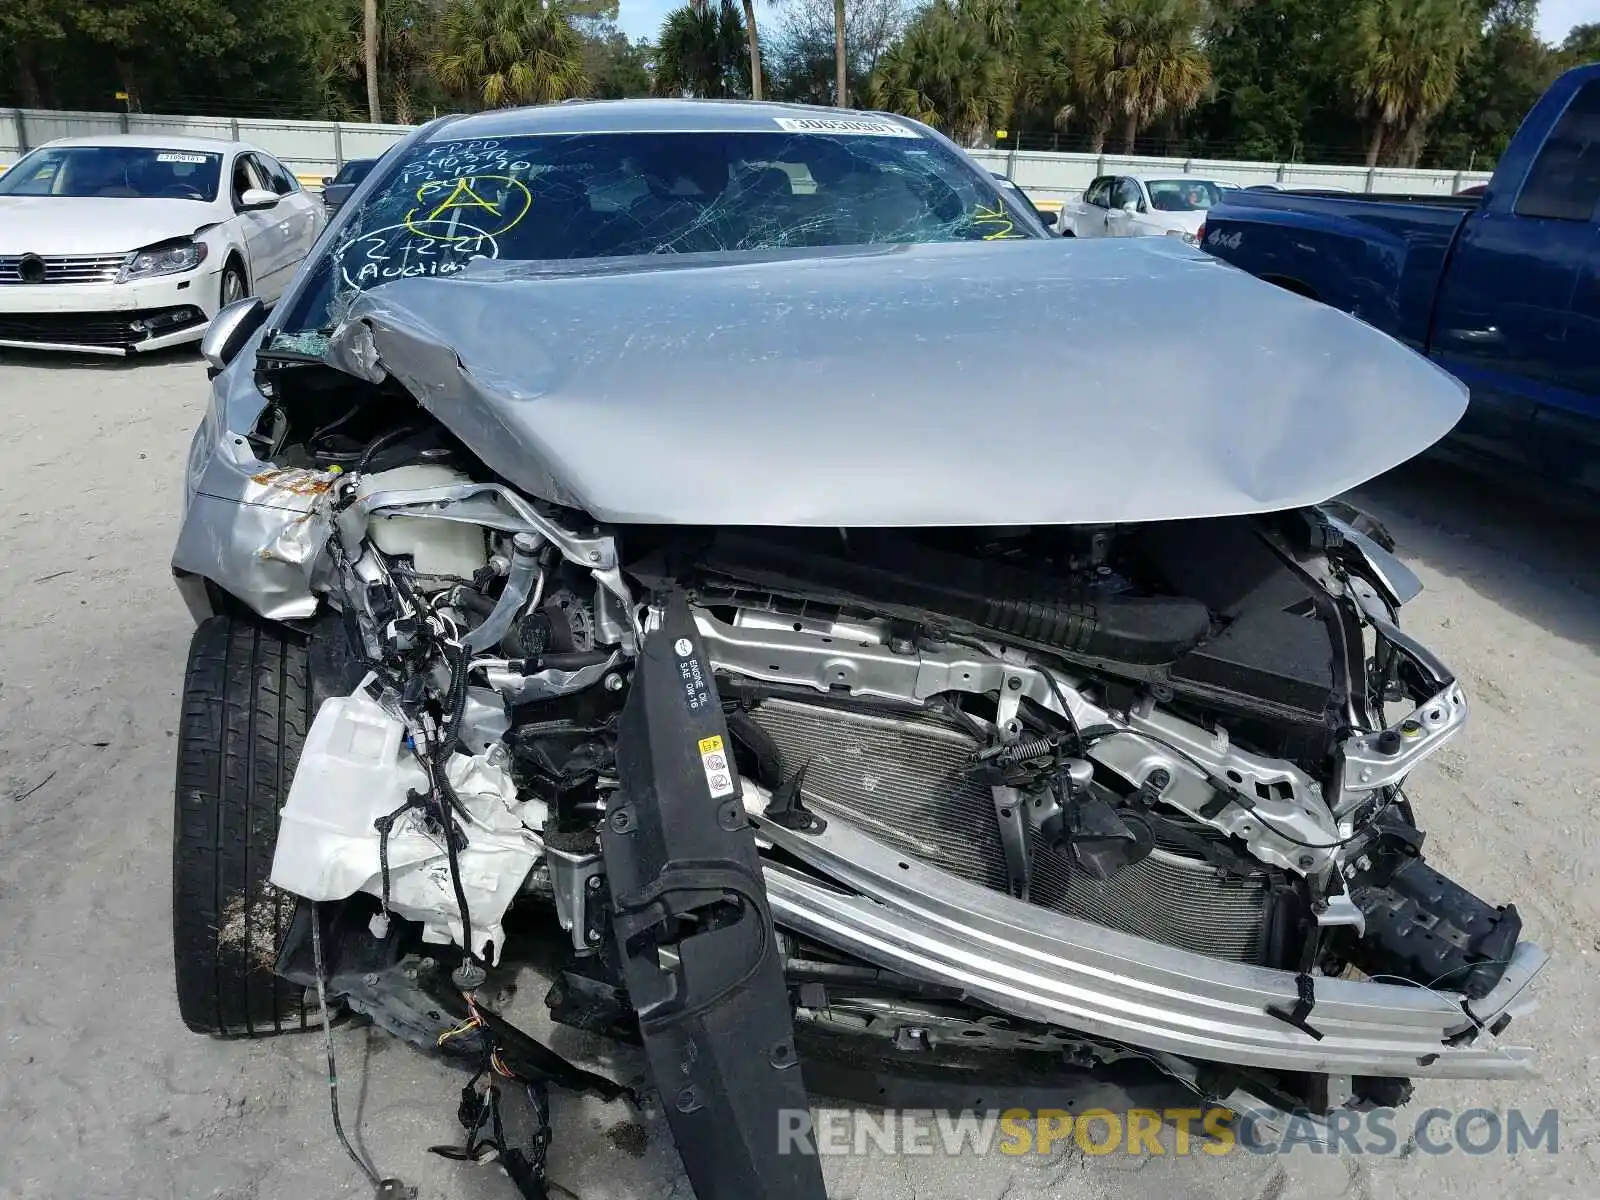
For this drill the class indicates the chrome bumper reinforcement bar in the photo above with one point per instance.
(1036, 964)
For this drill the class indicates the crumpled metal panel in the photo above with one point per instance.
(255, 530)
(263, 546)
(1038, 382)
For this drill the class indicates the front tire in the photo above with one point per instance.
(246, 707)
(233, 286)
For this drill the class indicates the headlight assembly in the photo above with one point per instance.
(170, 258)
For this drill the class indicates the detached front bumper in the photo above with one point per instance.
(108, 318)
(925, 923)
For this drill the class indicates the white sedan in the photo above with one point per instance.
(1141, 206)
(117, 244)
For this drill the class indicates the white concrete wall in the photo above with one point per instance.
(309, 148)
(1045, 175)
(316, 148)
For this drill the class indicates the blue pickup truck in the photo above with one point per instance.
(1502, 289)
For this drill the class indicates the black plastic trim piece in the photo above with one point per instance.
(694, 934)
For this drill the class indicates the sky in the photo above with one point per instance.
(642, 18)
(1556, 17)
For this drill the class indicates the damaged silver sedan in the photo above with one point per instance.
(728, 558)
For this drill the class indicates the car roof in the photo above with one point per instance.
(644, 116)
(155, 141)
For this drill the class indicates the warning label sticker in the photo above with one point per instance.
(862, 126)
(719, 772)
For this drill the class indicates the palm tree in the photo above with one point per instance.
(755, 48)
(701, 52)
(998, 19)
(947, 72)
(369, 37)
(1157, 64)
(841, 76)
(404, 49)
(1067, 75)
(407, 31)
(504, 52)
(1407, 57)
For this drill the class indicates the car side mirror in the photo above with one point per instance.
(230, 329)
(1131, 207)
(255, 199)
(1050, 219)
(327, 181)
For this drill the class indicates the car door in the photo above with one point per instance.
(282, 220)
(1089, 214)
(1567, 412)
(303, 215)
(1119, 221)
(1518, 315)
(258, 227)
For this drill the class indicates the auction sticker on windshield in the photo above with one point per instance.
(173, 157)
(855, 125)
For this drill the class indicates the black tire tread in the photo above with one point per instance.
(246, 707)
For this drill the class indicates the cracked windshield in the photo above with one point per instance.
(552, 197)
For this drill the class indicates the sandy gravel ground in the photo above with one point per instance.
(103, 1094)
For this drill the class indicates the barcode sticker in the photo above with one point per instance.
(858, 125)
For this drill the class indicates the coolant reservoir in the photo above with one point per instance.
(436, 547)
(352, 771)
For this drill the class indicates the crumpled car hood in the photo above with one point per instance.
(959, 384)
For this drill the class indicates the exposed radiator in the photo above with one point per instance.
(904, 780)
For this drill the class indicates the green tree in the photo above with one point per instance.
(701, 51)
(500, 53)
(1511, 68)
(616, 67)
(1582, 45)
(946, 71)
(1276, 83)
(1103, 63)
(1158, 67)
(1065, 63)
(29, 30)
(137, 35)
(213, 55)
(369, 42)
(754, 40)
(408, 29)
(841, 60)
(801, 57)
(406, 33)
(1405, 59)
(599, 13)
